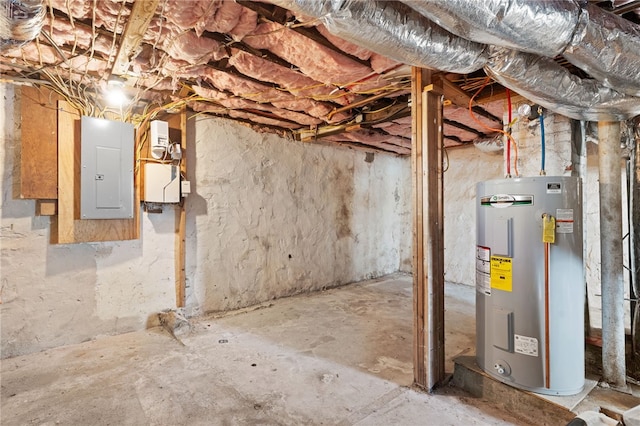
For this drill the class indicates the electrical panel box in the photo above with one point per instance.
(106, 174)
(161, 183)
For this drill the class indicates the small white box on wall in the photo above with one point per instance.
(161, 183)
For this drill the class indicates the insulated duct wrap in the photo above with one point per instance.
(490, 145)
(542, 27)
(608, 49)
(20, 22)
(394, 30)
(543, 81)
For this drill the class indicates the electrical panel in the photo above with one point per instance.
(161, 183)
(106, 175)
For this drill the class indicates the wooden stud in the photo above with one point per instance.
(179, 122)
(428, 237)
(66, 227)
(137, 24)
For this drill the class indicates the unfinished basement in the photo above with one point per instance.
(353, 212)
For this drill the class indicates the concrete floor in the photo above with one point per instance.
(342, 356)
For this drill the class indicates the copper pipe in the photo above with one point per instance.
(547, 361)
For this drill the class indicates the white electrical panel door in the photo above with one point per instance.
(106, 174)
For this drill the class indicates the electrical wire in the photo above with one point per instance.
(502, 131)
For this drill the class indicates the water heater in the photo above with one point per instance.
(530, 288)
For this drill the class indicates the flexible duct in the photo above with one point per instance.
(401, 33)
(608, 49)
(394, 30)
(604, 45)
(542, 27)
(543, 81)
(20, 22)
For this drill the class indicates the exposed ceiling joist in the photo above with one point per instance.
(137, 24)
(464, 127)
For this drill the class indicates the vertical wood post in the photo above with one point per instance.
(428, 235)
(181, 221)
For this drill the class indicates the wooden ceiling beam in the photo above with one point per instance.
(137, 24)
(464, 127)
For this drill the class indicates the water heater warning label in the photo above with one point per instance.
(483, 270)
(501, 273)
(525, 345)
(564, 221)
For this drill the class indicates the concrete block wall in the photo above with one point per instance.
(266, 218)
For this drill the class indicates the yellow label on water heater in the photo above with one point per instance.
(501, 273)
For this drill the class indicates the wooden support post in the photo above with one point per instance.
(428, 236)
(180, 121)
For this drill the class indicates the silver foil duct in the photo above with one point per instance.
(608, 49)
(542, 27)
(20, 22)
(394, 30)
(602, 44)
(543, 81)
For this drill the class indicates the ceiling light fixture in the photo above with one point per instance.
(114, 93)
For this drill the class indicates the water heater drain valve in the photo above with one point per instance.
(502, 368)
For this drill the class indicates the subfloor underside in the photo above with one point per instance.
(342, 356)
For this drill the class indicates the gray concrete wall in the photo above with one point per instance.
(266, 218)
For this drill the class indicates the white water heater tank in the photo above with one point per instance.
(530, 287)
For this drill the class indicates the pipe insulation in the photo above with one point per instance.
(549, 84)
(611, 251)
(394, 30)
(20, 22)
(604, 45)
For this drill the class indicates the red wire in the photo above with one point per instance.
(508, 159)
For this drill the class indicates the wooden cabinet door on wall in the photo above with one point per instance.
(36, 176)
